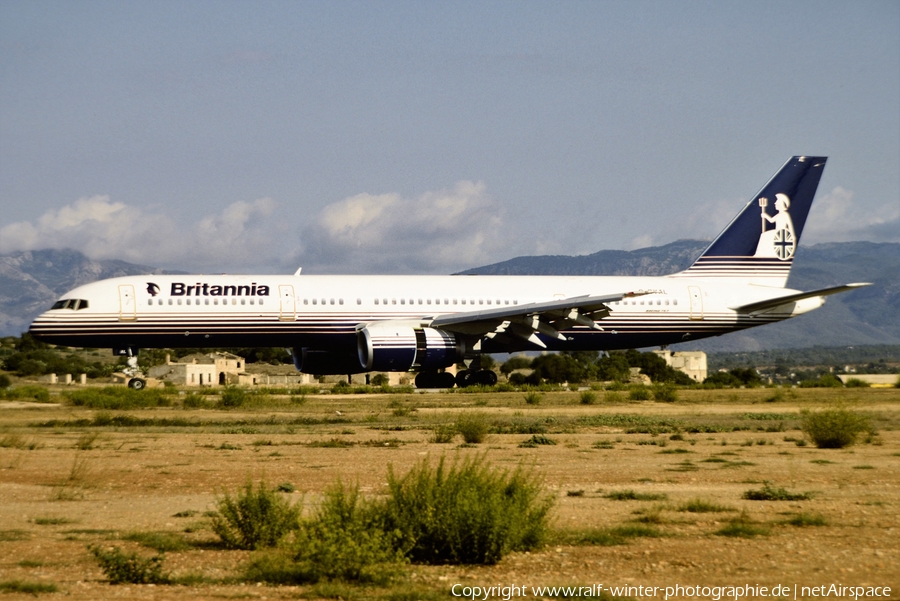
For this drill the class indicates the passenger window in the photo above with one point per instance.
(384, 301)
(243, 301)
(305, 301)
(261, 301)
(675, 301)
(179, 302)
(340, 301)
(463, 301)
(446, 301)
(251, 301)
(376, 301)
(428, 301)
(420, 301)
(667, 301)
(359, 301)
(402, 301)
(205, 301)
(315, 302)
(215, 301)
(393, 301)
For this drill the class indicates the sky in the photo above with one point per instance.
(430, 137)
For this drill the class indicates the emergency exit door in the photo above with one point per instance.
(288, 303)
(127, 304)
(696, 302)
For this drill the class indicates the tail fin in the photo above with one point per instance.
(758, 245)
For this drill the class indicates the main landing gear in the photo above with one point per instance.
(473, 375)
(136, 377)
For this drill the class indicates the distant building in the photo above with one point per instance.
(876, 380)
(693, 363)
(212, 369)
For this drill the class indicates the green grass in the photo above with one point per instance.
(630, 495)
(743, 527)
(27, 587)
(162, 542)
(806, 519)
(52, 521)
(703, 506)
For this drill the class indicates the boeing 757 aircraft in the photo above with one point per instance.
(355, 324)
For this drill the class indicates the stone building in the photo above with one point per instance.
(212, 369)
(693, 363)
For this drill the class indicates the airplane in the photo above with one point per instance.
(363, 323)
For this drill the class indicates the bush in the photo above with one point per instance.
(443, 434)
(130, 568)
(345, 541)
(665, 393)
(5, 382)
(770, 493)
(465, 513)
(233, 396)
(639, 392)
(474, 427)
(533, 398)
(587, 398)
(117, 398)
(833, 428)
(31, 391)
(254, 518)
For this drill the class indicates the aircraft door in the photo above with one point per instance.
(288, 303)
(696, 302)
(127, 303)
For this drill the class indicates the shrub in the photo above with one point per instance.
(630, 495)
(856, 383)
(536, 440)
(770, 493)
(742, 527)
(467, 512)
(666, 393)
(380, 380)
(474, 427)
(30, 391)
(639, 392)
(833, 428)
(587, 397)
(117, 398)
(254, 518)
(233, 396)
(130, 568)
(5, 381)
(701, 506)
(345, 541)
(28, 588)
(804, 519)
(533, 398)
(443, 434)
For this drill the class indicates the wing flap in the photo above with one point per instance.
(529, 320)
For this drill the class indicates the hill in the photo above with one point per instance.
(30, 282)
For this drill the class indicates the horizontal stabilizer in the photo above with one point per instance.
(771, 303)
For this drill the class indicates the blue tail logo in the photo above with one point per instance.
(759, 244)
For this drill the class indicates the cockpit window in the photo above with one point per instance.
(70, 303)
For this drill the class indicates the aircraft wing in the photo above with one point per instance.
(527, 321)
(771, 303)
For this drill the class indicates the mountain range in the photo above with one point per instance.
(31, 281)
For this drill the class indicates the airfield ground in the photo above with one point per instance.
(66, 483)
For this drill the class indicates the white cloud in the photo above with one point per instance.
(836, 218)
(240, 235)
(438, 232)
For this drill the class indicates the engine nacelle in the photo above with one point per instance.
(401, 348)
(326, 363)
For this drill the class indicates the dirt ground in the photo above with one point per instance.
(67, 484)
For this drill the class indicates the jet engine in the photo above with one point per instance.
(401, 348)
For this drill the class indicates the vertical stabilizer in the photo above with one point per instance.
(758, 246)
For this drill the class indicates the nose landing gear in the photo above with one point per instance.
(136, 376)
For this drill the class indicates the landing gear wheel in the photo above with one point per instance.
(465, 378)
(485, 377)
(425, 379)
(137, 384)
(446, 380)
